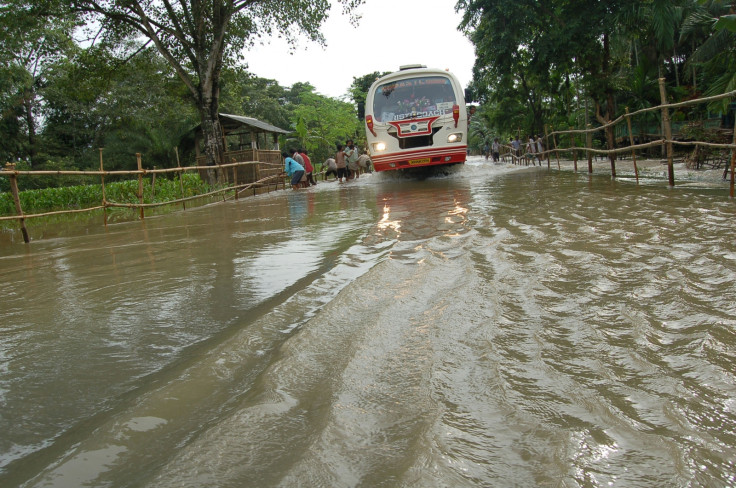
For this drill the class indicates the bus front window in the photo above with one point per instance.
(413, 98)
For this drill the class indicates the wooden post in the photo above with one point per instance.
(521, 148)
(235, 179)
(153, 185)
(557, 153)
(140, 182)
(546, 140)
(16, 199)
(667, 132)
(631, 143)
(181, 183)
(588, 145)
(574, 153)
(104, 197)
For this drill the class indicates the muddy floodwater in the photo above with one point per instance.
(484, 326)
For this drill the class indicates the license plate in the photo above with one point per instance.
(419, 161)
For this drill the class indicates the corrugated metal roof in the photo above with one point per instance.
(258, 124)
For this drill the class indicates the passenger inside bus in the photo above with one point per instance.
(411, 98)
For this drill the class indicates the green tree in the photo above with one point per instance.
(321, 122)
(198, 38)
(515, 53)
(127, 102)
(712, 26)
(524, 48)
(246, 94)
(30, 43)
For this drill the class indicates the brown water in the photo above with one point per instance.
(493, 326)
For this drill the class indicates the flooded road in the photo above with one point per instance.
(493, 326)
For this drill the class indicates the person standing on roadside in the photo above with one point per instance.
(342, 170)
(516, 147)
(495, 149)
(351, 159)
(293, 169)
(308, 167)
(296, 156)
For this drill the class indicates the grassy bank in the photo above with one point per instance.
(86, 196)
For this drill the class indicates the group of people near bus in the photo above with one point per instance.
(347, 164)
(534, 148)
(298, 167)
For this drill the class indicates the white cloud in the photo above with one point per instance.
(391, 33)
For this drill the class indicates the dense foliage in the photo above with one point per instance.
(63, 96)
(76, 75)
(199, 39)
(567, 63)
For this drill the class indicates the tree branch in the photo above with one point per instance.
(153, 35)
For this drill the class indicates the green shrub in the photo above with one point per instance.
(86, 196)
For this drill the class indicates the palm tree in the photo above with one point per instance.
(713, 30)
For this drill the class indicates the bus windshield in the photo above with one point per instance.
(423, 96)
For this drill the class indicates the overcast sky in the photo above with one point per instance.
(391, 33)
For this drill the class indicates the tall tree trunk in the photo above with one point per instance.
(209, 104)
(31, 122)
(214, 145)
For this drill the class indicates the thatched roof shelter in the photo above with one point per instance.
(244, 136)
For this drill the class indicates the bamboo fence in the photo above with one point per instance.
(273, 176)
(666, 140)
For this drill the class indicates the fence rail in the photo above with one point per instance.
(259, 175)
(666, 139)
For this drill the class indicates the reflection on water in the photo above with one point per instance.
(434, 208)
(489, 326)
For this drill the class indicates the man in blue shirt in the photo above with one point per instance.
(293, 169)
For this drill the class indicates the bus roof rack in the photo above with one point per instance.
(411, 66)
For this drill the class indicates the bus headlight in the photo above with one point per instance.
(455, 137)
(379, 146)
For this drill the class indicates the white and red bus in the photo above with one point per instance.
(416, 117)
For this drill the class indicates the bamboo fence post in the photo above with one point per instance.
(153, 185)
(733, 158)
(235, 179)
(631, 143)
(588, 144)
(16, 199)
(557, 153)
(140, 182)
(667, 132)
(546, 140)
(574, 153)
(521, 148)
(104, 197)
(181, 183)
